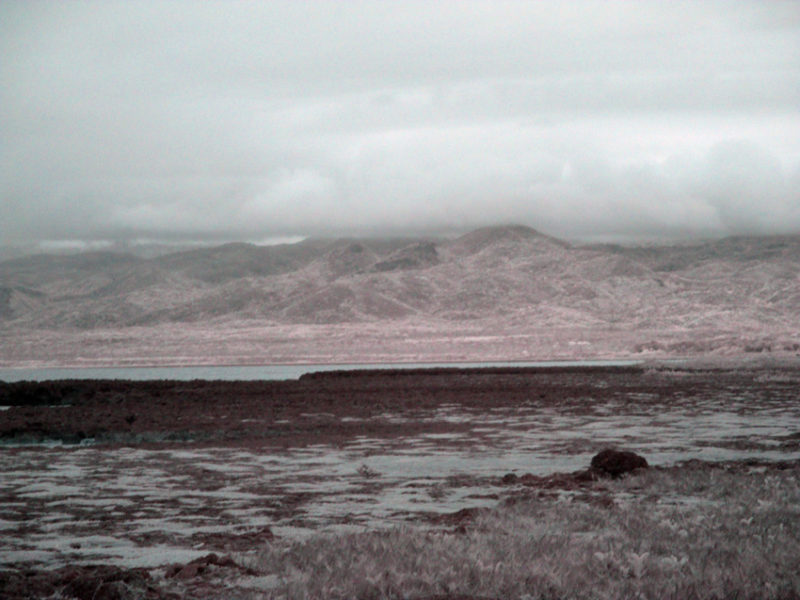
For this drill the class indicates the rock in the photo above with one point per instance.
(189, 571)
(617, 462)
(199, 566)
(214, 559)
(509, 479)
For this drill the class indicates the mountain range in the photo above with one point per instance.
(512, 275)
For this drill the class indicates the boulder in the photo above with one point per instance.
(617, 462)
(509, 479)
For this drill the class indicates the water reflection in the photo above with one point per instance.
(161, 505)
(263, 372)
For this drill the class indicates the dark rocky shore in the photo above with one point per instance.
(329, 407)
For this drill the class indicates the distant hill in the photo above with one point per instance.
(509, 274)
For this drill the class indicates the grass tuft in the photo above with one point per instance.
(684, 533)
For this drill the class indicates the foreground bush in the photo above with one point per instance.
(691, 532)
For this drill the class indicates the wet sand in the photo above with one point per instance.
(149, 474)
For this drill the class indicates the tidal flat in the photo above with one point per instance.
(421, 483)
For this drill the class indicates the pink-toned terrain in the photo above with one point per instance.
(502, 293)
(114, 489)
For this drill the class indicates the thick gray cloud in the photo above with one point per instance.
(592, 120)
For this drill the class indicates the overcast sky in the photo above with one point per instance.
(224, 120)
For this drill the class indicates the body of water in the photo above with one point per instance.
(264, 372)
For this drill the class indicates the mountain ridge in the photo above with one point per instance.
(507, 274)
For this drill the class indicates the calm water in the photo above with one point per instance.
(270, 372)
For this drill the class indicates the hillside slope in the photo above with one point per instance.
(501, 277)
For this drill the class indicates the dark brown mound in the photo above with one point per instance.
(617, 462)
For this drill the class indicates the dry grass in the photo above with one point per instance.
(698, 532)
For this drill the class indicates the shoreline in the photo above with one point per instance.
(700, 362)
(190, 483)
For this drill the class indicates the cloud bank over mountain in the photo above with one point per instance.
(228, 120)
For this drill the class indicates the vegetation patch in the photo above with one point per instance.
(692, 531)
